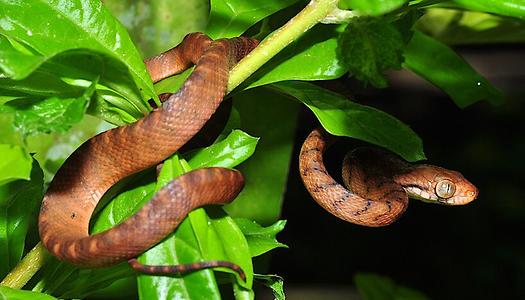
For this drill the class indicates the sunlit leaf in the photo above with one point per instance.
(19, 203)
(271, 117)
(16, 163)
(312, 57)
(372, 7)
(511, 8)
(444, 68)
(229, 18)
(15, 294)
(342, 117)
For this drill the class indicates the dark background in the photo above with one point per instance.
(470, 252)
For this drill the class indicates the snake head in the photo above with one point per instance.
(451, 188)
(442, 186)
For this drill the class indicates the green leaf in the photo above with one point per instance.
(444, 68)
(40, 84)
(49, 115)
(123, 206)
(268, 115)
(312, 57)
(223, 240)
(70, 282)
(156, 25)
(230, 18)
(181, 247)
(260, 239)
(370, 46)
(460, 27)
(19, 203)
(375, 287)
(242, 294)
(17, 64)
(372, 7)
(198, 238)
(14, 294)
(276, 283)
(15, 165)
(511, 8)
(221, 154)
(82, 28)
(342, 117)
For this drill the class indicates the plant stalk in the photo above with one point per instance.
(312, 14)
(27, 267)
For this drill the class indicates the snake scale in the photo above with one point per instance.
(113, 155)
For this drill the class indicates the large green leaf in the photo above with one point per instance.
(342, 117)
(60, 33)
(460, 27)
(49, 115)
(199, 238)
(312, 57)
(19, 203)
(444, 68)
(221, 155)
(176, 249)
(230, 18)
(372, 7)
(268, 115)
(14, 294)
(16, 164)
(15, 63)
(375, 287)
(511, 8)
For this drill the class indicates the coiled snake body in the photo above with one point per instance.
(108, 157)
(378, 183)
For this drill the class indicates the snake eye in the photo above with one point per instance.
(445, 189)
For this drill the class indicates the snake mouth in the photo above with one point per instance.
(448, 201)
(459, 200)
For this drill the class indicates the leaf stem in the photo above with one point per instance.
(312, 14)
(27, 267)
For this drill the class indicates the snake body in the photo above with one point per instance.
(110, 156)
(378, 183)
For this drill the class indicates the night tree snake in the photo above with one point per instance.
(115, 154)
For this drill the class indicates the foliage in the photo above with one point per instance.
(63, 63)
(376, 287)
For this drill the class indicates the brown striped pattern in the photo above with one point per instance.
(185, 268)
(378, 183)
(110, 156)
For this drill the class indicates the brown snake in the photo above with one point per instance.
(379, 183)
(110, 156)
